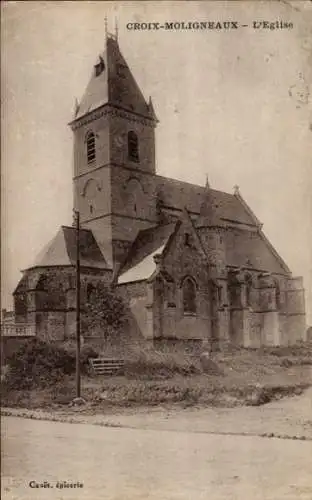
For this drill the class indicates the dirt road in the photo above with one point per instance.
(146, 464)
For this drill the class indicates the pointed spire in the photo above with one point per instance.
(76, 107)
(105, 29)
(207, 184)
(206, 207)
(116, 29)
(102, 88)
(208, 215)
(151, 108)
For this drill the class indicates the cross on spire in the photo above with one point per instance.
(107, 32)
(105, 27)
(116, 29)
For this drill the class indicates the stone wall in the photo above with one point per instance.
(255, 326)
(296, 328)
(119, 126)
(185, 259)
(51, 299)
(92, 194)
(100, 127)
(133, 196)
(237, 326)
(270, 334)
(138, 300)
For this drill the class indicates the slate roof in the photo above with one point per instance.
(139, 263)
(250, 249)
(254, 251)
(176, 195)
(114, 84)
(142, 270)
(22, 285)
(61, 250)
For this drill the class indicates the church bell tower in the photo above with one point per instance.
(114, 155)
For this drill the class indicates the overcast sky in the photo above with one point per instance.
(234, 104)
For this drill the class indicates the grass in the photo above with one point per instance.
(148, 363)
(236, 377)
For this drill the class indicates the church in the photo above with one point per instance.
(191, 263)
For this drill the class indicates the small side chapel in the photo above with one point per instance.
(192, 263)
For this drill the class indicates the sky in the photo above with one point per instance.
(235, 105)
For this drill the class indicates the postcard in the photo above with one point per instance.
(156, 337)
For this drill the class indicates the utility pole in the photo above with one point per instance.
(78, 378)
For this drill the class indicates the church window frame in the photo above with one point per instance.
(90, 146)
(234, 292)
(20, 304)
(278, 301)
(99, 67)
(189, 296)
(121, 70)
(249, 286)
(187, 240)
(133, 146)
(89, 291)
(135, 196)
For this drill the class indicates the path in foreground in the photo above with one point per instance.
(288, 417)
(132, 464)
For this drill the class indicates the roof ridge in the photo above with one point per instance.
(102, 88)
(64, 226)
(130, 260)
(192, 184)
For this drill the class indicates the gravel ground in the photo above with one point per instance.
(133, 464)
(286, 418)
(161, 454)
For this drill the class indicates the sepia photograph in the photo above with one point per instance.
(156, 265)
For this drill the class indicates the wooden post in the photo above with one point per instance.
(78, 377)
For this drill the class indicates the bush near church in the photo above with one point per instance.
(104, 314)
(42, 364)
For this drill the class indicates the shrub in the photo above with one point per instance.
(152, 363)
(87, 352)
(38, 363)
(104, 313)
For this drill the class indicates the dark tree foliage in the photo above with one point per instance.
(103, 313)
(41, 364)
(38, 363)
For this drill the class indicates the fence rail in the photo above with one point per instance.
(107, 366)
(18, 330)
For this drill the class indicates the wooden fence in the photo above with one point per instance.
(107, 366)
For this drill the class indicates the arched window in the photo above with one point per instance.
(189, 296)
(90, 290)
(133, 146)
(99, 67)
(234, 291)
(20, 304)
(135, 199)
(277, 295)
(90, 147)
(248, 280)
(42, 283)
